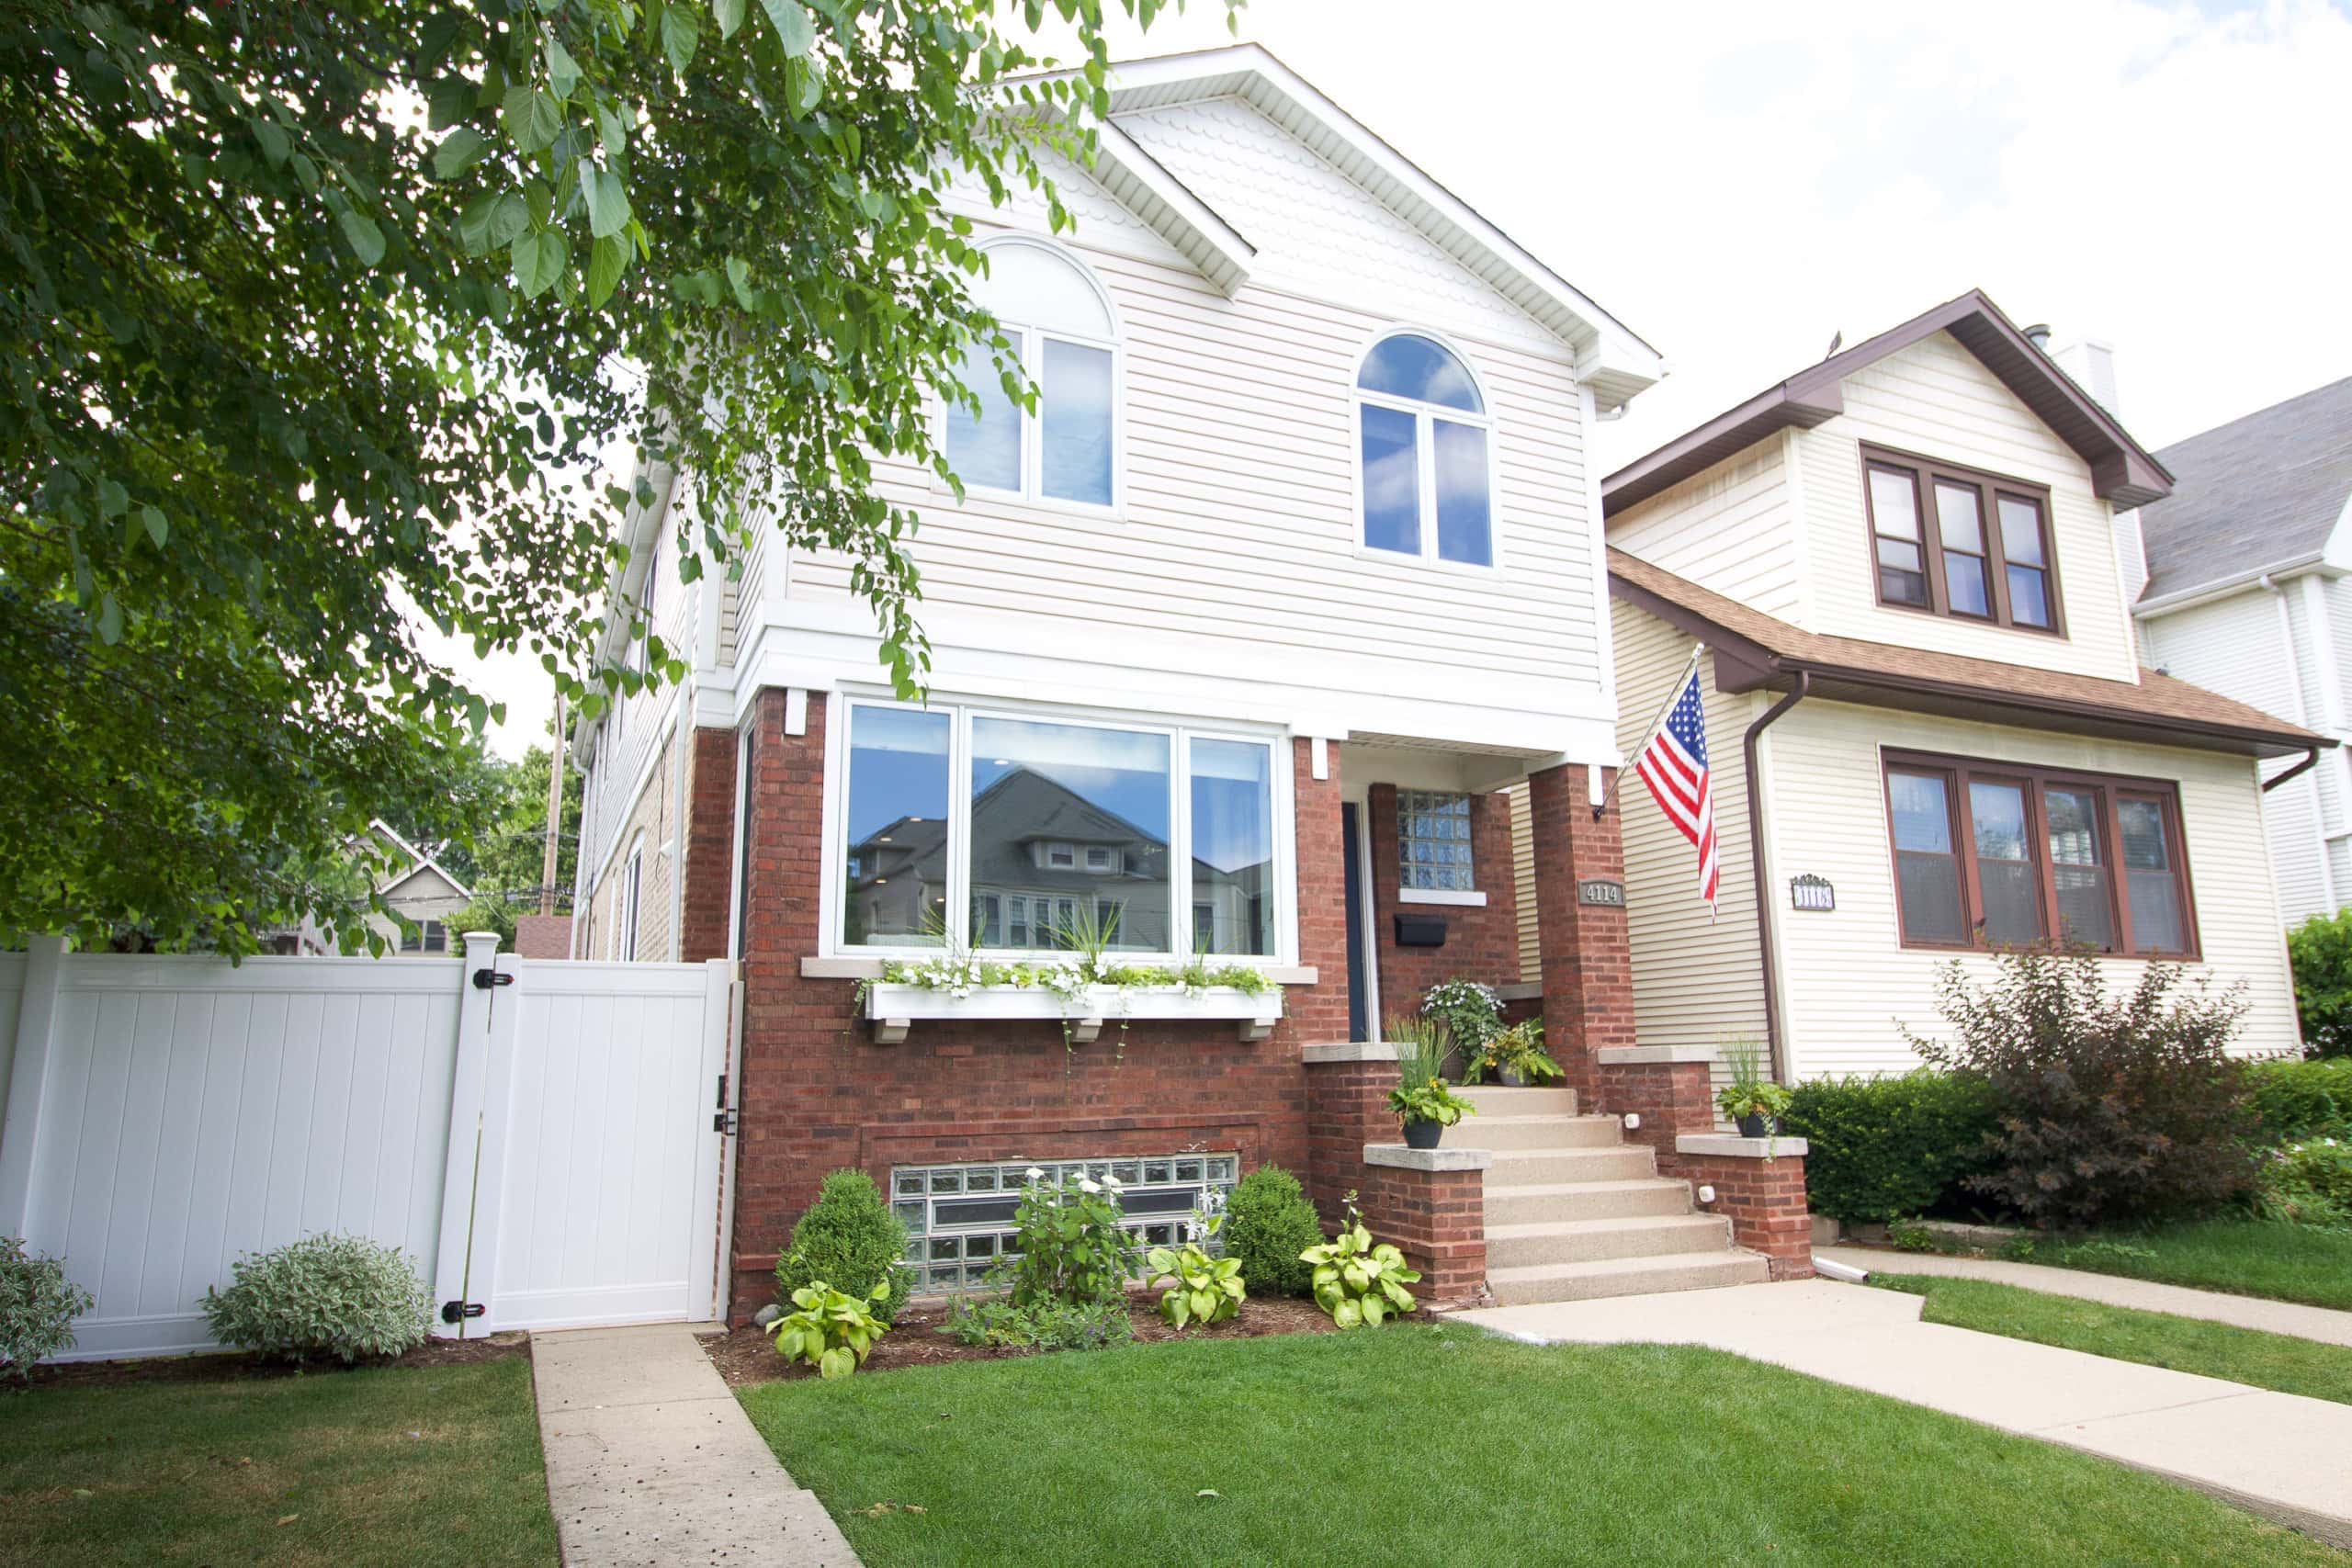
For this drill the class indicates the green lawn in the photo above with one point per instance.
(1446, 1446)
(2244, 1257)
(407, 1468)
(2158, 1340)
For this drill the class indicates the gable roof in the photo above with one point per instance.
(1754, 649)
(2121, 470)
(1609, 354)
(418, 861)
(2261, 493)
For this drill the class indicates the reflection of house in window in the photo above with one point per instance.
(1038, 842)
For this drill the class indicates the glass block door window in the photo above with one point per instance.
(960, 1217)
(1433, 840)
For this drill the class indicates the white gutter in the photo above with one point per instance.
(2189, 598)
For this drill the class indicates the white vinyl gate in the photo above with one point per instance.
(542, 1146)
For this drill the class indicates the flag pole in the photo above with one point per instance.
(1673, 694)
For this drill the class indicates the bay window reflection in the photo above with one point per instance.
(894, 868)
(1077, 818)
(1233, 847)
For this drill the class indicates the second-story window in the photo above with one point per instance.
(1954, 541)
(1061, 328)
(1423, 436)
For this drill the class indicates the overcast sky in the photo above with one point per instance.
(1738, 182)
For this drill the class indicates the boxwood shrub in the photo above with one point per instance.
(1268, 1223)
(850, 1239)
(1884, 1148)
(2297, 1099)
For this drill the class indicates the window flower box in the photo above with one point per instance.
(894, 1006)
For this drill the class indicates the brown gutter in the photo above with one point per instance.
(2311, 760)
(1756, 860)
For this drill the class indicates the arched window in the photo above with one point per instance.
(1423, 433)
(1059, 323)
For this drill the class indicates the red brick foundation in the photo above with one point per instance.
(1438, 1219)
(1346, 1107)
(1766, 1204)
(709, 846)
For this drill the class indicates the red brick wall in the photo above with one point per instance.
(1765, 1202)
(817, 1094)
(710, 846)
(1346, 1107)
(543, 936)
(1438, 1218)
(1588, 965)
(1671, 1098)
(1481, 943)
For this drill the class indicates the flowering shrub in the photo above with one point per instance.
(344, 1296)
(1472, 1014)
(1070, 1244)
(38, 1305)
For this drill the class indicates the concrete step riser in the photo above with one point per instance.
(1505, 1207)
(1522, 1167)
(1672, 1234)
(1551, 1133)
(1494, 1101)
(1668, 1274)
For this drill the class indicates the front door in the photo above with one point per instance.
(1359, 962)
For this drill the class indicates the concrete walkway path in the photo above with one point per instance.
(2244, 1312)
(653, 1464)
(2278, 1454)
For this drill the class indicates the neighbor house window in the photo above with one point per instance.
(1956, 542)
(430, 936)
(1988, 855)
(1060, 328)
(632, 885)
(1064, 834)
(1433, 841)
(1423, 434)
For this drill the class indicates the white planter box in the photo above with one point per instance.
(894, 1007)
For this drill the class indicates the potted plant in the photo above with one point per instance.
(1752, 1100)
(1422, 1101)
(1515, 1058)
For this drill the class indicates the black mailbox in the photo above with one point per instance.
(1420, 931)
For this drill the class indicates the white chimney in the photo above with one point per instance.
(2092, 365)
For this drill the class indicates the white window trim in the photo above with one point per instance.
(962, 712)
(1425, 457)
(1031, 343)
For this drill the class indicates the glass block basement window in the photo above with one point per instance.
(960, 1217)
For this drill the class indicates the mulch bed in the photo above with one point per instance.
(745, 1355)
(227, 1366)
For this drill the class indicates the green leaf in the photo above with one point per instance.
(738, 273)
(531, 117)
(490, 221)
(459, 151)
(157, 528)
(563, 73)
(791, 24)
(728, 14)
(607, 259)
(113, 499)
(612, 131)
(540, 257)
(680, 33)
(608, 201)
(276, 145)
(110, 620)
(837, 1362)
(453, 99)
(359, 231)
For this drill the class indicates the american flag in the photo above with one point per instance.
(1674, 764)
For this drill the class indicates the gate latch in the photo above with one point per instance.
(483, 980)
(723, 1121)
(454, 1312)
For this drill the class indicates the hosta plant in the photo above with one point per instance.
(1357, 1279)
(829, 1330)
(1205, 1289)
(38, 1305)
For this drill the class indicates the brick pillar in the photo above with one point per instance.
(1346, 1107)
(1670, 1087)
(1437, 1218)
(1319, 1013)
(1759, 1187)
(1588, 967)
(709, 837)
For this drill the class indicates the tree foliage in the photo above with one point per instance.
(321, 320)
(2320, 951)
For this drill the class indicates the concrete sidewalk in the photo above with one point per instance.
(2278, 1454)
(2113, 1290)
(652, 1463)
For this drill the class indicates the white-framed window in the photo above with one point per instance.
(431, 936)
(632, 885)
(1425, 452)
(1060, 325)
(947, 824)
(1433, 841)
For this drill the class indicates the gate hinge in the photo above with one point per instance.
(723, 1121)
(454, 1312)
(483, 980)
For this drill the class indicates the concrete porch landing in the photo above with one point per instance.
(2277, 1454)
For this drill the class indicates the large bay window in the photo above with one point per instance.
(1990, 855)
(1018, 835)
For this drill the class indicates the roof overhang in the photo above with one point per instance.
(2123, 470)
(1743, 664)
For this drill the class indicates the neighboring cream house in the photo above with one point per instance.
(1921, 681)
(420, 889)
(2240, 586)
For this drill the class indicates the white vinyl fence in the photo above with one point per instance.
(541, 1144)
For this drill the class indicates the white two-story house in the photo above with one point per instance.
(1930, 731)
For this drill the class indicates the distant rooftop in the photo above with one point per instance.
(2259, 492)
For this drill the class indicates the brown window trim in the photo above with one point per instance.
(1958, 771)
(1989, 488)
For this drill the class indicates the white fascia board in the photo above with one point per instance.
(2223, 587)
(1137, 181)
(1612, 355)
(423, 862)
(639, 525)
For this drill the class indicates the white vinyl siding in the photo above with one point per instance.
(1846, 983)
(623, 781)
(1936, 399)
(1697, 980)
(1727, 529)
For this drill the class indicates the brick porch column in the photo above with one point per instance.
(1587, 965)
(1319, 1013)
(1759, 1187)
(709, 846)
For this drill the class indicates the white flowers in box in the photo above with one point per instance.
(1078, 993)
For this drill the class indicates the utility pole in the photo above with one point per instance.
(555, 812)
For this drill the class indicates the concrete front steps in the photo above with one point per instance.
(1574, 1212)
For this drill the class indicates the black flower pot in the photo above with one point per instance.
(1512, 1077)
(1754, 1126)
(1423, 1135)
